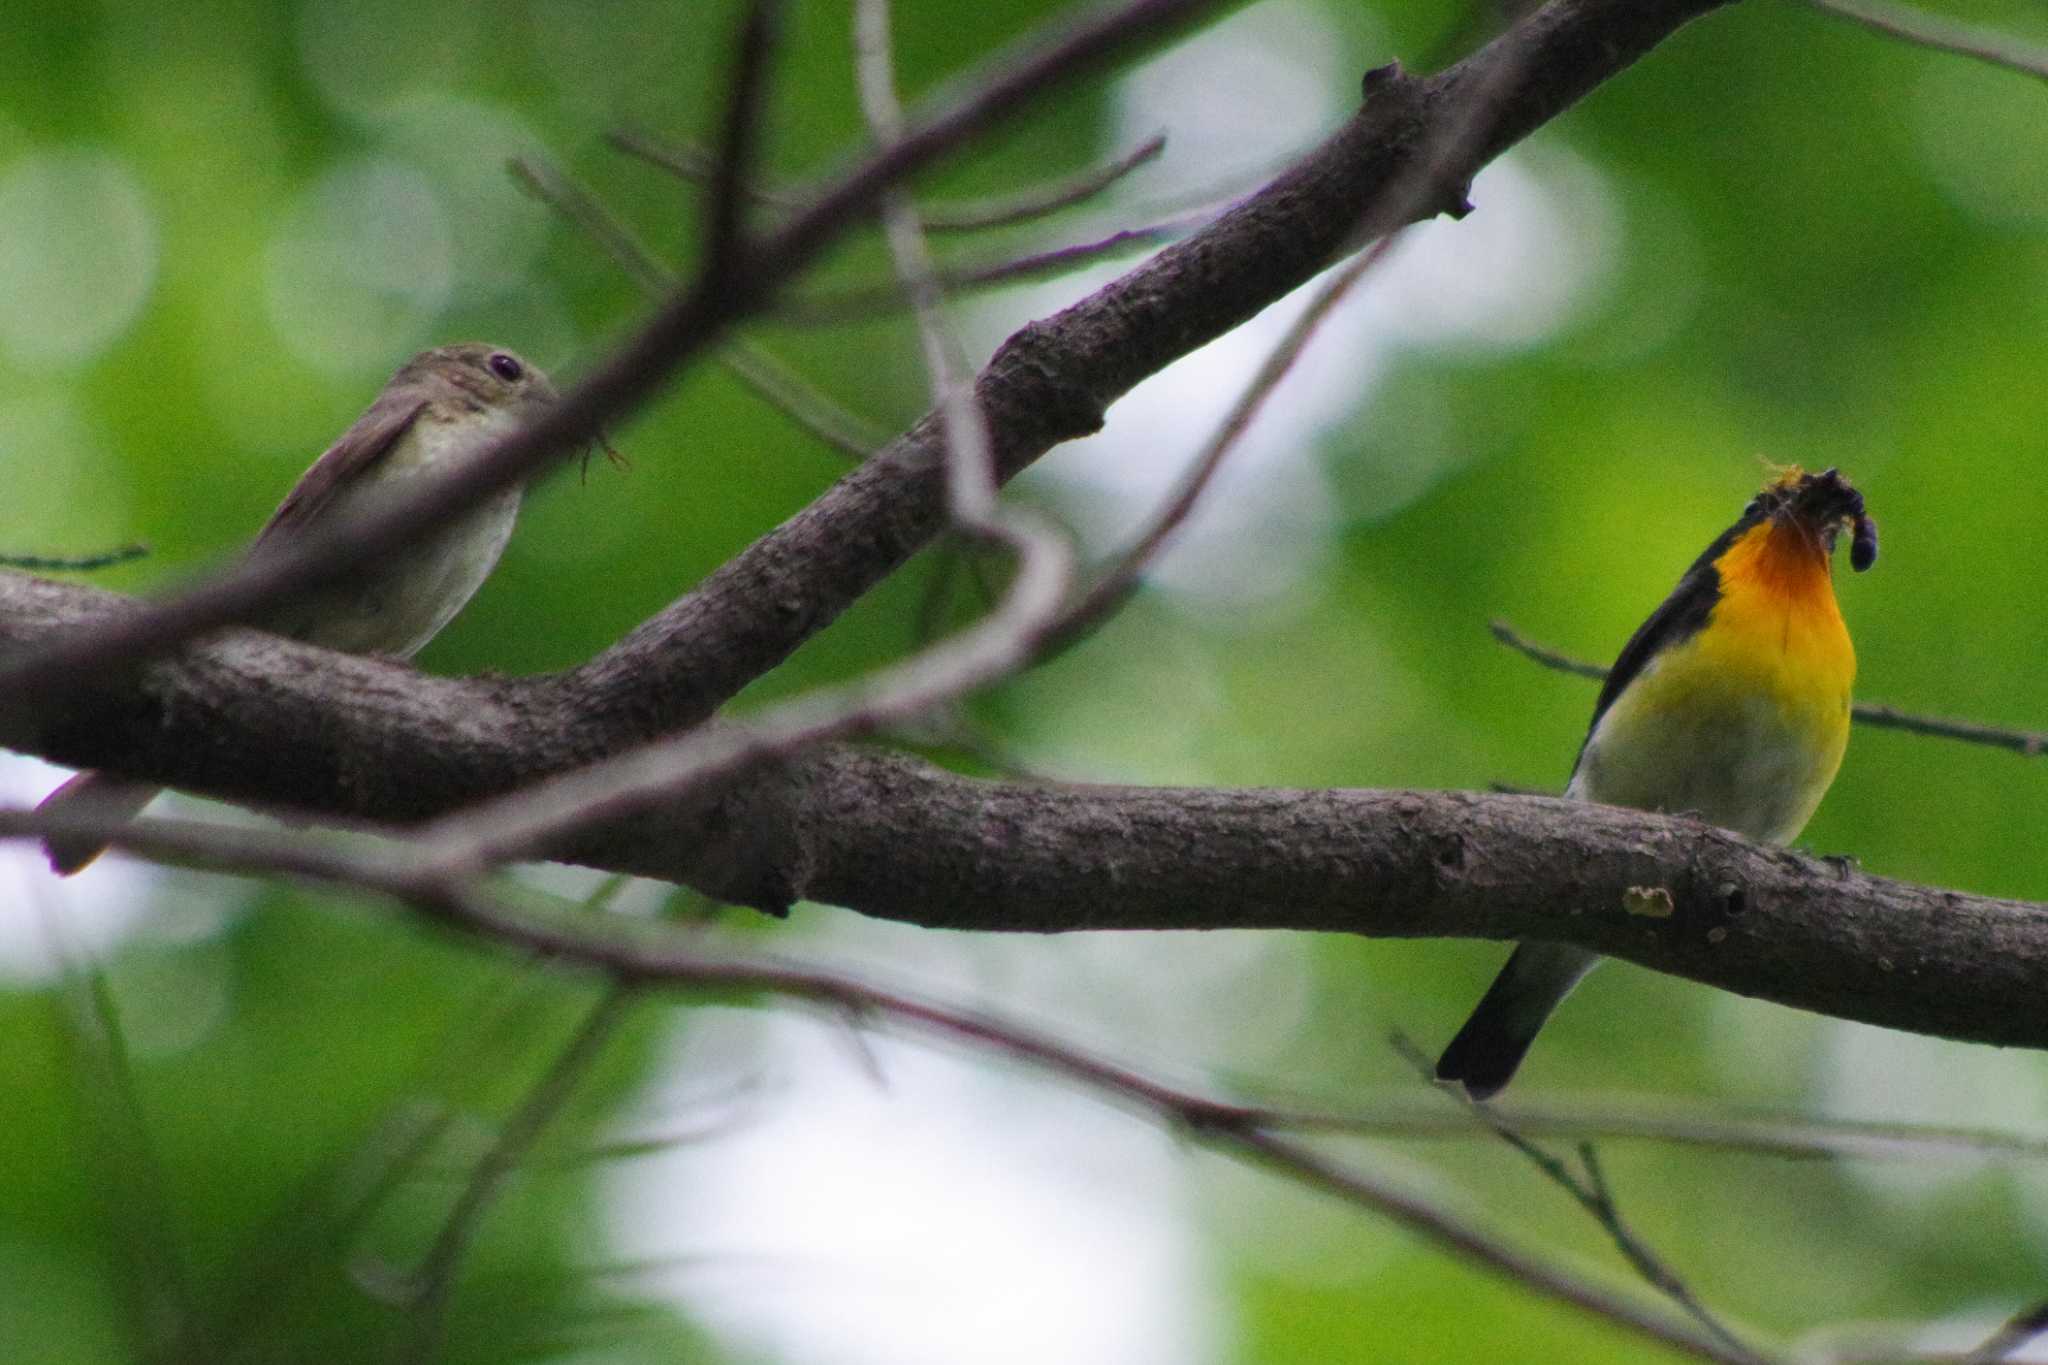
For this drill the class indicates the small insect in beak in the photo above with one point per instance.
(1862, 542)
(601, 442)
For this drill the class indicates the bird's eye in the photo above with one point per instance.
(506, 367)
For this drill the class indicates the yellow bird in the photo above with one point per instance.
(1731, 703)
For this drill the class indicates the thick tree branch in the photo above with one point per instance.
(895, 838)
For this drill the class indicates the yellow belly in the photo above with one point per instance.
(1743, 724)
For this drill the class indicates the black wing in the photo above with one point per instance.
(1680, 616)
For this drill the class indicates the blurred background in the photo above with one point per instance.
(239, 1114)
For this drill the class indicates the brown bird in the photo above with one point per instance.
(441, 410)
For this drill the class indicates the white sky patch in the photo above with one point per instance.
(48, 920)
(50, 924)
(948, 1212)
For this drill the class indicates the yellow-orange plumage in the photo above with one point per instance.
(1743, 723)
(1731, 704)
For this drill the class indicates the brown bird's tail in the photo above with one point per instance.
(100, 795)
(1494, 1040)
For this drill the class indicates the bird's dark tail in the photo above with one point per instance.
(101, 795)
(1494, 1040)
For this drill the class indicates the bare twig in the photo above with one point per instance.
(1757, 1132)
(434, 1281)
(640, 955)
(1039, 201)
(1311, 1168)
(554, 187)
(2028, 743)
(120, 554)
(803, 402)
(688, 162)
(1543, 654)
(1591, 1193)
(738, 145)
(1114, 588)
(859, 302)
(125, 1169)
(1944, 34)
(970, 465)
(784, 389)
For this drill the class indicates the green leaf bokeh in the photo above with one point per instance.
(220, 228)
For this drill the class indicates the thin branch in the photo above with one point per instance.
(553, 186)
(120, 554)
(1114, 588)
(640, 955)
(1309, 1167)
(970, 462)
(784, 389)
(637, 954)
(738, 146)
(1757, 1132)
(1543, 654)
(1916, 26)
(1024, 206)
(803, 402)
(123, 1164)
(692, 163)
(1039, 201)
(2027, 743)
(862, 302)
(434, 1281)
(1591, 1193)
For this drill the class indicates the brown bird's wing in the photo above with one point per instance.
(368, 440)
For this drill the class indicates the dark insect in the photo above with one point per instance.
(1863, 543)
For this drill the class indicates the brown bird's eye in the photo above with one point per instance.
(506, 367)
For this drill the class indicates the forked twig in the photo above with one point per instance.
(783, 388)
(1592, 1193)
(1025, 206)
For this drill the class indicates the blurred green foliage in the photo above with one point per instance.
(1831, 249)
